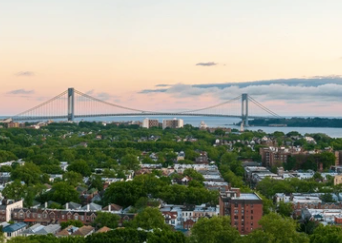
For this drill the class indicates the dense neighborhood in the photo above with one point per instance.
(120, 182)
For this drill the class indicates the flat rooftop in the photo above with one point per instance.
(249, 196)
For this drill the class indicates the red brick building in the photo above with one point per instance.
(244, 209)
(56, 216)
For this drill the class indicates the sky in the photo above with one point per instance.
(172, 55)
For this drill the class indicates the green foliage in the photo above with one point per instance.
(127, 193)
(258, 236)
(29, 173)
(14, 190)
(73, 178)
(269, 186)
(130, 162)
(285, 209)
(327, 197)
(62, 193)
(81, 167)
(106, 219)
(76, 223)
(7, 156)
(118, 236)
(194, 175)
(282, 229)
(326, 234)
(216, 229)
(149, 218)
(299, 122)
(5, 168)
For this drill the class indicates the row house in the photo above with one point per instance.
(51, 216)
(185, 216)
(54, 216)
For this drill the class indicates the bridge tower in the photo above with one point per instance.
(244, 109)
(71, 104)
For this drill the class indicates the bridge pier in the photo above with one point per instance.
(244, 109)
(71, 104)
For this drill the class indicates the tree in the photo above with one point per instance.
(62, 192)
(166, 237)
(327, 197)
(285, 209)
(5, 168)
(326, 234)
(121, 235)
(123, 193)
(130, 162)
(76, 223)
(193, 174)
(106, 219)
(14, 190)
(150, 218)
(217, 229)
(275, 224)
(80, 166)
(29, 173)
(257, 236)
(73, 178)
(96, 182)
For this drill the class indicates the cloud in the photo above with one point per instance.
(146, 91)
(25, 74)
(103, 96)
(206, 64)
(90, 92)
(318, 88)
(21, 91)
(162, 85)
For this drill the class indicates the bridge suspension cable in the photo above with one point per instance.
(263, 107)
(213, 106)
(41, 105)
(110, 104)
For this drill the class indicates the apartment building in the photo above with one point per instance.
(244, 209)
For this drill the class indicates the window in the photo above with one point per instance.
(251, 217)
(76, 217)
(242, 211)
(251, 211)
(63, 216)
(236, 211)
(236, 217)
(236, 205)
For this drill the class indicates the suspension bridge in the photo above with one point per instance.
(72, 104)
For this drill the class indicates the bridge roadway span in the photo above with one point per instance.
(144, 114)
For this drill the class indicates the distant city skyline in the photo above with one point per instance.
(160, 54)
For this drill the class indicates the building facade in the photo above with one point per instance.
(147, 123)
(244, 209)
(174, 123)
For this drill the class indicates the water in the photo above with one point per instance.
(229, 122)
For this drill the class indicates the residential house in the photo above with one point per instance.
(14, 230)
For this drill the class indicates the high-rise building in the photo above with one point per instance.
(147, 123)
(244, 209)
(174, 123)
